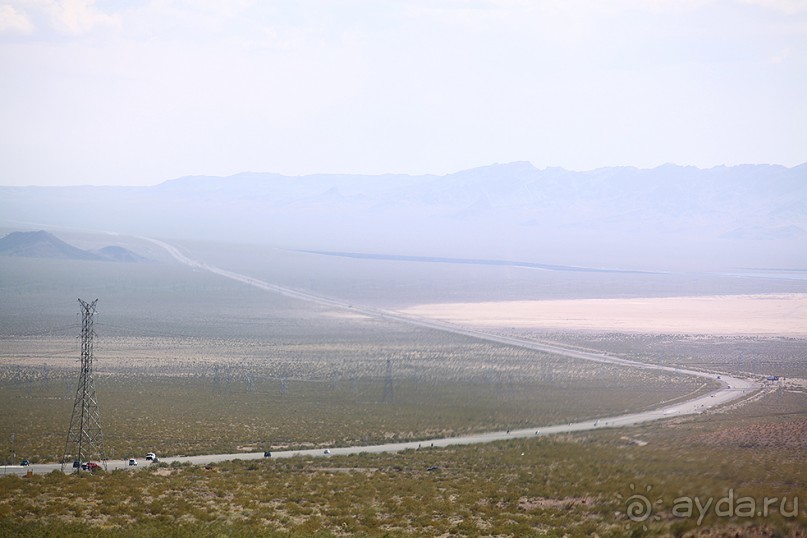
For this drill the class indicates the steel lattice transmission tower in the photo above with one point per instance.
(389, 393)
(85, 441)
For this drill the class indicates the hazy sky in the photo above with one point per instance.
(136, 92)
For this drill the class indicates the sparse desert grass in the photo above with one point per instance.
(754, 355)
(272, 371)
(225, 396)
(575, 485)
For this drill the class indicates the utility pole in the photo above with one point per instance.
(85, 440)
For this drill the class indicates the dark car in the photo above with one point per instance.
(267, 454)
(25, 463)
(76, 464)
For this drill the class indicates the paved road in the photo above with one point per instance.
(731, 388)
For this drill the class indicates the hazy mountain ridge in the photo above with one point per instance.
(623, 216)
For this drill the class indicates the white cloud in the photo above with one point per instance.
(81, 16)
(13, 21)
(73, 17)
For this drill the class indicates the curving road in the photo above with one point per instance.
(731, 388)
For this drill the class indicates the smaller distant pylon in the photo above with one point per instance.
(389, 392)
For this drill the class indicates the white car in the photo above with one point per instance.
(151, 456)
(132, 462)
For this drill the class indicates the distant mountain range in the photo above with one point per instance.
(45, 245)
(666, 217)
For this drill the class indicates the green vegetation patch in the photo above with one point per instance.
(574, 485)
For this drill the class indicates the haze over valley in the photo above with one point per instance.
(669, 218)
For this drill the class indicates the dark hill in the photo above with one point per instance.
(42, 244)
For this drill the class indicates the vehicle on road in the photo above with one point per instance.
(327, 452)
(25, 463)
(267, 454)
(92, 466)
(151, 456)
(76, 464)
(132, 462)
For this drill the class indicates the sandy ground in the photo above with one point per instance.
(783, 314)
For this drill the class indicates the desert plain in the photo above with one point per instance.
(757, 314)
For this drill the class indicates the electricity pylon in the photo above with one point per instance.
(85, 441)
(389, 394)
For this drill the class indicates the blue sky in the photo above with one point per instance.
(138, 92)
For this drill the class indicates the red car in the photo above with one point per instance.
(92, 466)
